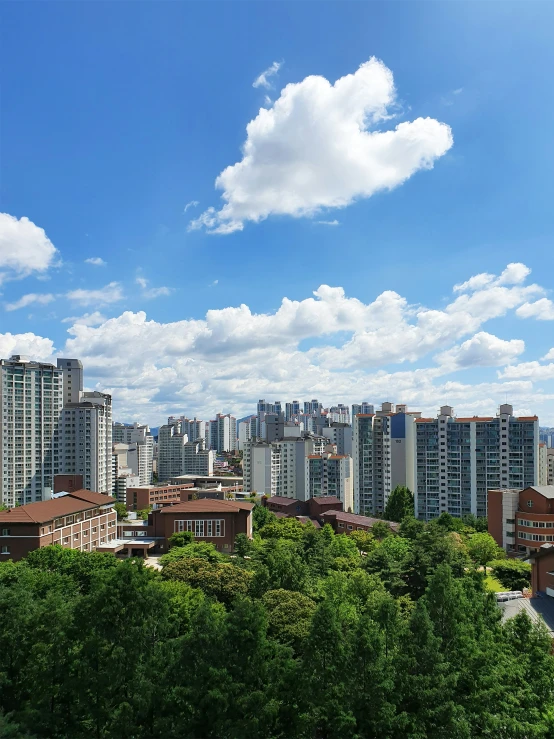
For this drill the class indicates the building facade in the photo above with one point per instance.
(460, 459)
(80, 520)
(171, 441)
(31, 401)
(86, 441)
(197, 460)
(223, 433)
(521, 521)
(330, 475)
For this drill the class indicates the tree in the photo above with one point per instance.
(197, 549)
(364, 540)
(483, 549)
(381, 530)
(513, 574)
(290, 616)
(121, 510)
(399, 505)
(220, 580)
(181, 538)
(283, 528)
(261, 516)
(243, 545)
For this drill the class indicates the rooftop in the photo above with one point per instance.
(64, 505)
(356, 519)
(208, 505)
(547, 491)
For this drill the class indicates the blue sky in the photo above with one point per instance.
(116, 115)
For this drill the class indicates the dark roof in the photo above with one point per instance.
(547, 491)
(358, 520)
(305, 519)
(281, 500)
(327, 499)
(544, 551)
(46, 510)
(208, 505)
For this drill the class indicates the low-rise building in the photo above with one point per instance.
(146, 496)
(81, 520)
(215, 521)
(542, 570)
(521, 520)
(346, 523)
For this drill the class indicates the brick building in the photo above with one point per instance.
(78, 520)
(345, 523)
(522, 520)
(291, 507)
(542, 570)
(215, 521)
(142, 497)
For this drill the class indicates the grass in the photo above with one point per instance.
(492, 584)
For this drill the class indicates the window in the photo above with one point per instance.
(94, 530)
(349, 527)
(529, 503)
(5, 550)
(66, 540)
(75, 536)
(5, 532)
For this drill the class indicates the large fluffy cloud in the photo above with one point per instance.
(319, 146)
(24, 248)
(359, 350)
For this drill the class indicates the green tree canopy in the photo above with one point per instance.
(399, 505)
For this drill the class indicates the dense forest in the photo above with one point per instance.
(302, 633)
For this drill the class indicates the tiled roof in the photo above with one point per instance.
(547, 491)
(208, 505)
(425, 420)
(355, 519)
(281, 500)
(46, 510)
(326, 499)
(527, 418)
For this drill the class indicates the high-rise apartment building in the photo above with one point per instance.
(364, 408)
(330, 474)
(280, 467)
(31, 400)
(460, 459)
(223, 433)
(339, 434)
(85, 446)
(141, 448)
(123, 476)
(383, 452)
(197, 460)
(247, 431)
(171, 441)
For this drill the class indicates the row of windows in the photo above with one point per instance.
(535, 537)
(536, 524)
(202, 527)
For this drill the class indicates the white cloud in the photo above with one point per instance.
(234, 355)
(88, 319)
(542, 310)
(514, 274)
(28, 344)
(532, 370)
(152, 292)
(30, 299)
(24, 248)
(328, 223)
(458, 91)
(482, 350)
(549, 355)
(191, 204)
(156, 292)
(319, 147)
(111, 293)
(214, 283)
(262, 79)
(96, 261)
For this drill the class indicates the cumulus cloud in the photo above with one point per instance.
(234, 355)
(319, 146)
(542, 310)
(24, 248)
(36, 347)
(514, 274)
(533, 370)
(152, 292)
(96, 261)
(30, 299)
(191, 204)
(482, 350)
(111, 293)
(88, 319)
(262, 80)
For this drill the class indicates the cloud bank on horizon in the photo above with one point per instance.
(231, 357)
(319, 147)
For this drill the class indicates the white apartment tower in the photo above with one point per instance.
(383, 452)
(86, 430)
(141, 448)
(171, 441)
(223, 433)
(31, 399)
(86, 441)
(197, 460)
(280, 467)
(460, 459)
